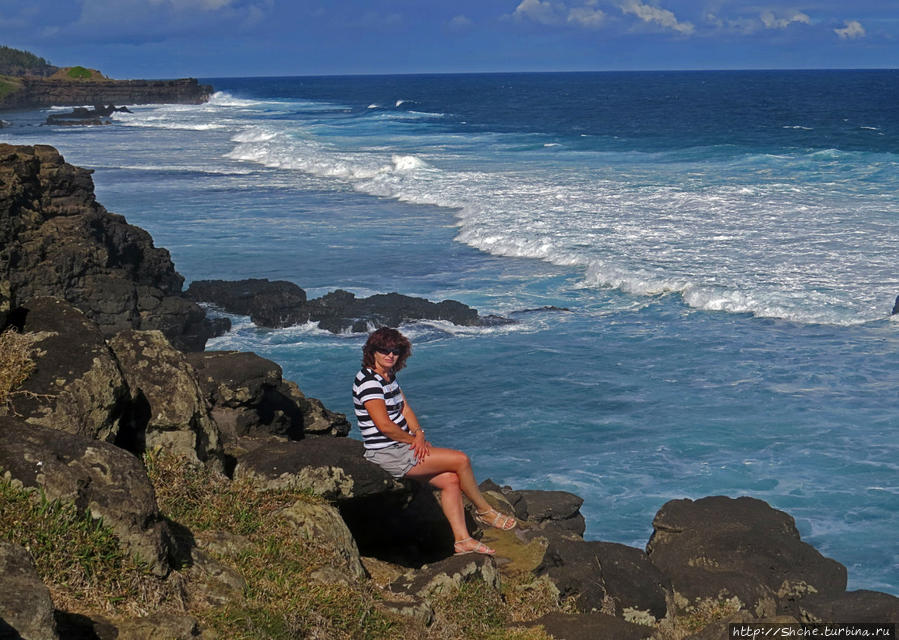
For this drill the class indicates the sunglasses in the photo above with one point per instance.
(397, 351)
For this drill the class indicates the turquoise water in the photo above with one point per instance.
(722, 244)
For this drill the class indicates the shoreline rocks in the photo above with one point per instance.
(279, 303)
(83, 116)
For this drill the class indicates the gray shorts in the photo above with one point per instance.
(396, 459)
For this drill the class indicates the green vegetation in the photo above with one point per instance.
(283, 600)
(77, 557)
(8, 85)
(15, 62)
(89, 573)
(79, 73)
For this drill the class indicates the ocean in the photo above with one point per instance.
(701, 266)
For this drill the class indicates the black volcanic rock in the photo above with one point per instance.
(57, 241)
(268, 303)
(719, 547)
(281, 304)
(85, 116)
(249, 397)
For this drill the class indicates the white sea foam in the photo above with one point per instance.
(736, 241)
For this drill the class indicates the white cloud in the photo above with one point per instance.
(586, 17)
(852, 30)
(656, 15)
(557, 13)
(773, 22)
(539, 11)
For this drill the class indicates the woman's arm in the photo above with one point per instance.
(377, 409)
(421, 446)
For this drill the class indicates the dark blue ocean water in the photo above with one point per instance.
(724, 244)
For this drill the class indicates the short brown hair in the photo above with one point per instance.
(383, 339)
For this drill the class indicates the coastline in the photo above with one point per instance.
(225, 432)
(679, 393)
(39, 93)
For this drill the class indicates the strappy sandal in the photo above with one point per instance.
(498, 521)
(480, 547)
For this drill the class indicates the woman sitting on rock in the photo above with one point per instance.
(395, 441)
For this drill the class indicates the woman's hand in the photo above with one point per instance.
(420, 446)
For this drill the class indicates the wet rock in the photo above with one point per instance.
(76, 386)
(268, 303)
(281, 304)
(107, 481)
(26, 610)
(719, 547)
(168, 409)
(84, 116)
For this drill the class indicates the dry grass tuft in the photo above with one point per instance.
(16, 363)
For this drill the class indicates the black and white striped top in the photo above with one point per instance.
(368, 385)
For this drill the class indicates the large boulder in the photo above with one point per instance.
(268, 303)
(322, 524)
(329, 467)
(168, 409)
(559, 509)
(76, 386)
(96, 476)
(57, 241)
(281, 304)
(719, 547)
(606, 577)
(26, 610)
(250, 398)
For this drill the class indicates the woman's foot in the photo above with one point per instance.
(470, 545)
(495, 519)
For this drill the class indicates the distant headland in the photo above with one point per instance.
(30, 82)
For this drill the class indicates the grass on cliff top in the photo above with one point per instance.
(78, 558)
(9, 85)
(77, 73)
(283, 599)
(16, 363)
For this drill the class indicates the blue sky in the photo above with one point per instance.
(215, 38)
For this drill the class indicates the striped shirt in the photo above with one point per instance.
(368, 385)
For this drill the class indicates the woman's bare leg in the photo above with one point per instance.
(442, 460)
(451, 503)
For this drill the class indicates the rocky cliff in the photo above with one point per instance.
(36, 93)
(146, 491)
(57, 241)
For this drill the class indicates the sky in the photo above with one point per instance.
(233, 38)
